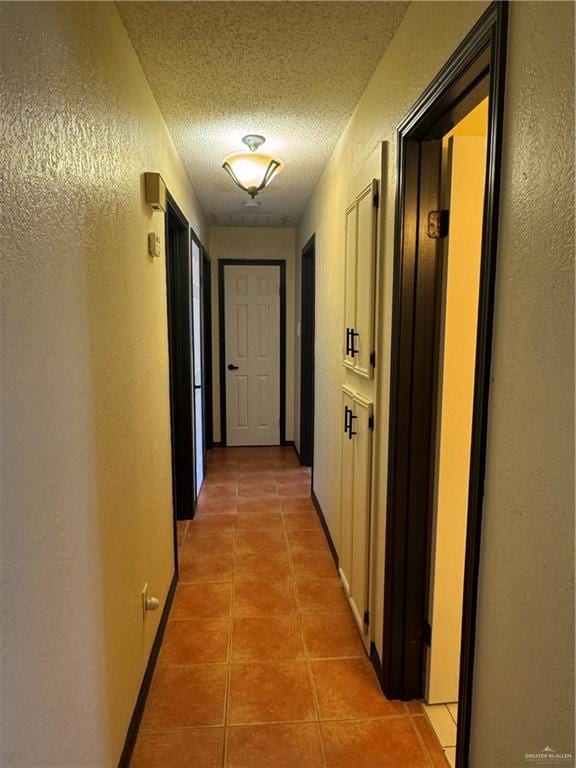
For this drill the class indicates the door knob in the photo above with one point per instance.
(232, 367)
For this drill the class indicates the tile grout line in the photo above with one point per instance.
(306, 651)
(230, 641)
(421, 740)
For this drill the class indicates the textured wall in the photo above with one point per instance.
(525, 643)
(524, 683)
(254, 243)
(86, 482)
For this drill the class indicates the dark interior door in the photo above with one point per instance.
(179, 288)
(307, 355)
(412, 410)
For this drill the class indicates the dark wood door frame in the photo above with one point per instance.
(476, 69)
(222, 263)
(307, 357)
(180, 349)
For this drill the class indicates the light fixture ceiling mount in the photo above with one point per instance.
(254, 141)
(252, 171)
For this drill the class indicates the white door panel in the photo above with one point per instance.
(345, 553)
(252, 344)
(354, 548)
(361, 532)
(198, 382)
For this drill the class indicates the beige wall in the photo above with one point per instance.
(255, 243)
(86, 479)
(521, 699)
(525, 644)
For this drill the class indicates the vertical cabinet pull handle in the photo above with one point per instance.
(353, 350)
(351, 431)
(347, 414)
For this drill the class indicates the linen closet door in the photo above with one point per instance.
(361, 510)
(347, 510)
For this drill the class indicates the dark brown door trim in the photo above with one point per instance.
(307, 357)
(179, 301)
(476, 69)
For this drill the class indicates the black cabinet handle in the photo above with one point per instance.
(353, 351)
(347, 414)
(351, 432)
(348, 341)
(232, 367)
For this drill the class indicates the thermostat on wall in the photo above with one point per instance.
(153, 245)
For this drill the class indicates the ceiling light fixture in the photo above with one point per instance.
(251, 171)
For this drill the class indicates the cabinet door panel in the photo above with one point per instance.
(361, 509)
(350, 281)
(365, 279)
(345, 553)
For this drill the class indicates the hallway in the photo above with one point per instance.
(261, 664)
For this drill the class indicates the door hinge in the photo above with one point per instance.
(366, 617)
(376, 196)
(438, 222)
(373, 359)
(371, 422)
(427, 633)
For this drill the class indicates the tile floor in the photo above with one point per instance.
(261, 664)
(443, 719)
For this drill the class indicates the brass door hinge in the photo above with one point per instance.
(438, 224)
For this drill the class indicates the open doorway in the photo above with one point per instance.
(463, 182)
(307, 336)
(449, 150)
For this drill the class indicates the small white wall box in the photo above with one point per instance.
(153, 245)
(155, 191)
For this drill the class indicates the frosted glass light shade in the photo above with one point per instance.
(252, 171)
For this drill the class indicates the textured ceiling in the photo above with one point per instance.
(293, 71)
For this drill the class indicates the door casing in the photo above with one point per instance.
(480, 59)
(222, 263)
(180, 349)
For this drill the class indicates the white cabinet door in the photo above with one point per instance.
(365, 280)
(362, 236)
(361, 511)
(350, 283)
(345, 553)
(354, 550)
(360, 280)
(252, 354)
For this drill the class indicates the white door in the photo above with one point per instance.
(252, 354)
(361, 511)
(347, 480)
(466, 174)
(198, 373)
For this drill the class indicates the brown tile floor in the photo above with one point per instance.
(261, 665)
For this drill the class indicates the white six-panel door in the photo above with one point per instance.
(252, 354)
